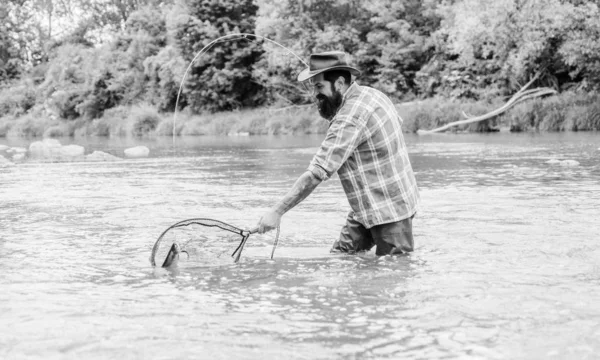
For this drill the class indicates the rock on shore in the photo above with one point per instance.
(101, 156)
(16, 150)
(51, 150)
(137, 152)
(5, 162)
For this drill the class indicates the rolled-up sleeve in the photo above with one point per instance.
(343, 137)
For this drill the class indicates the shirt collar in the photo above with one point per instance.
(351, 90)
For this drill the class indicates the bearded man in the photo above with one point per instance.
(365, 146)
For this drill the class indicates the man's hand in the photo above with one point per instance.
(305, 184)
(269, 221)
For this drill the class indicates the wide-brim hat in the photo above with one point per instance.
(326, 61)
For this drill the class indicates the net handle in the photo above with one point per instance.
(246, 235)
(238, 250)
(275, 243)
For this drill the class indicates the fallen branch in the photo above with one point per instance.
(521, 95)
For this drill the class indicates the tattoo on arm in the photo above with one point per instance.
(303, 187)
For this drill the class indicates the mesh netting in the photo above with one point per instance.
(199, 242)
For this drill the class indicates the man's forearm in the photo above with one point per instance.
(303, 187)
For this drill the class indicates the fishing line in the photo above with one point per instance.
(186, 236)
(225, 38)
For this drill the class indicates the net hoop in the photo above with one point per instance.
(237, 253)
(204, 222)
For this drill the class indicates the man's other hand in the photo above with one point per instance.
(269, 221)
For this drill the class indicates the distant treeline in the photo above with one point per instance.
(81, 60)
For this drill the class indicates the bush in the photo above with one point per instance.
(568, 111)
(143, 120)
(519, 117)
(6, 122)
(432, 113)
(256, 123)
(33, 124)
(195, 126)
(274, 125)
(222, 124)
(565, 111)
(165, 126)
(99, 127)
(302, 120)
(253, 122)
(592, 119)
(56, 131)
(65, 103)
(17, 100)
(113, 122)
(582, 118)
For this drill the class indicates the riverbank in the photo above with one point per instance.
(567, 111)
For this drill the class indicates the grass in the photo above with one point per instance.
(568, 111)
(565, 112)
(435, 112)
(300, 120)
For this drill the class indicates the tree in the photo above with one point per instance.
(500, 44)
(581, 47)
(388, 39)
(398, 44)
(223, 78)
(14, 39)
(10, 59)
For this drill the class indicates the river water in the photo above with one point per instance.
(507, 260)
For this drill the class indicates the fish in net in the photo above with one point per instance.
(201, 242)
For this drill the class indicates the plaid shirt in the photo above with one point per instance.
(365, 145)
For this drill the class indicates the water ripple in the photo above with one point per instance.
(506, 264)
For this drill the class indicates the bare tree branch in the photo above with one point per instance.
(520, 96)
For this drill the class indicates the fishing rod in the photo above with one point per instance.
(225, 38)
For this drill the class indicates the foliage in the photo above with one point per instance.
(221, 80)
(84, 82)
(398, 44)
(435, 112)
(69, 81)
(570, 111)
(112, 122)
(6, 122)
(31, 124)
(127, 55)
(164, 72)
(17, 99)
(252, 122)
(388, 39)
(581, 48)
(143, 120)
(492, 47)
(12, 40)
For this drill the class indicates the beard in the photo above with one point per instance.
(328, 106)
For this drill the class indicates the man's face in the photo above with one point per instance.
(328, 98)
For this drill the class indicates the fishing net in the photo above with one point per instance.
(201, 242)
